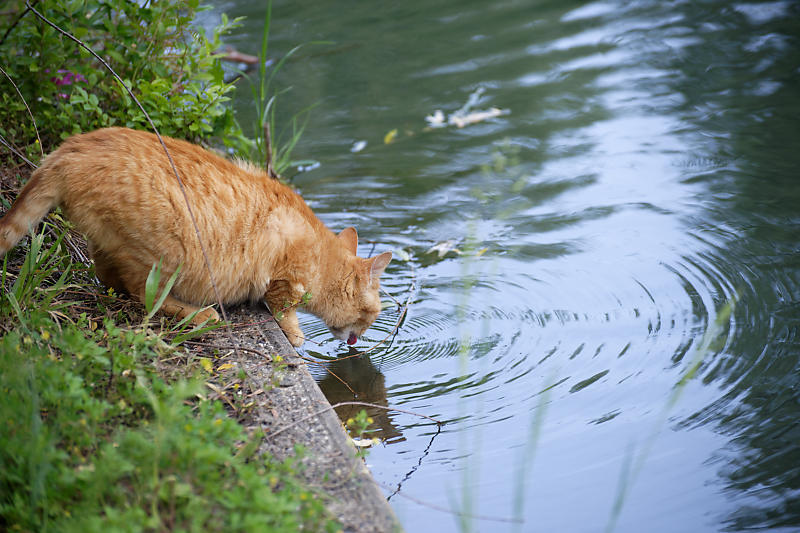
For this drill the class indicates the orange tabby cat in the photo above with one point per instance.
(116, 185)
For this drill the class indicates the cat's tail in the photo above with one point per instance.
(38, 196)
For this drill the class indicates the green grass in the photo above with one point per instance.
(94, 436)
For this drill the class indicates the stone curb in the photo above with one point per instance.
(293, 408)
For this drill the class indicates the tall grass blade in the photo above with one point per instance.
(151, 286)
(38, 265)
(151, 289)
(17, 310)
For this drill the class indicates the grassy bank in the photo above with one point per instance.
(105, 421)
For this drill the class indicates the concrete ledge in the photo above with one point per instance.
(292, 410)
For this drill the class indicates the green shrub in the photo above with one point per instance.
(173, 69)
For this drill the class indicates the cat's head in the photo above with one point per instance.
(358, 302)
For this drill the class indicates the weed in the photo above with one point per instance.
(279, 314)
(273, 154)
(358, 428)
(40, 264)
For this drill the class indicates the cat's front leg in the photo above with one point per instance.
(291, 327)
(282, 299)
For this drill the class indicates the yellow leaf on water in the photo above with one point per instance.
(390, 137)
(481, 252)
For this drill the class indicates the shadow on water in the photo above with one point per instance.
(357, 379)
(644, 175)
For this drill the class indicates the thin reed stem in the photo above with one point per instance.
(33, 120)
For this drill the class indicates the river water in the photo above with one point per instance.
(570, 264)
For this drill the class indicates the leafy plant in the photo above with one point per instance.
(279, 313)
(179, 331)
(151, 304)
(28, 289)
(173, 68)
(359, 429)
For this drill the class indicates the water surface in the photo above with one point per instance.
(641, 177)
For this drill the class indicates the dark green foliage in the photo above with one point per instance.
(93, 439)
(173, 68)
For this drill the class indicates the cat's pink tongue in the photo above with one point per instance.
(352, 339)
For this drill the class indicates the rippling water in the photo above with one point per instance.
(642, 176)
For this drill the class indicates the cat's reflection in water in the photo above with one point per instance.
(368, 384)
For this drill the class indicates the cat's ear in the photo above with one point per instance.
(378, 265)
(349, 238)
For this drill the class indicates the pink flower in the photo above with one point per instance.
(68, 77)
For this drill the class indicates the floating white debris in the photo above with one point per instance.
(305, 166)
(444, 247)
(478, 116)
(436, 120)
(402, 254)
(465, 115)
(358, 146)
(364, 443)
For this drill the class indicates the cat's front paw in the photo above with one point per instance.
(295, 338)
(295, 335)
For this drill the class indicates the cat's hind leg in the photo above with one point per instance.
(131, 275)
(174, 307)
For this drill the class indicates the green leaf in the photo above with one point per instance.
(151, 286)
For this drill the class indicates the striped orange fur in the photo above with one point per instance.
(263, 241)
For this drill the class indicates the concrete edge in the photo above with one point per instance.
(290, 409)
